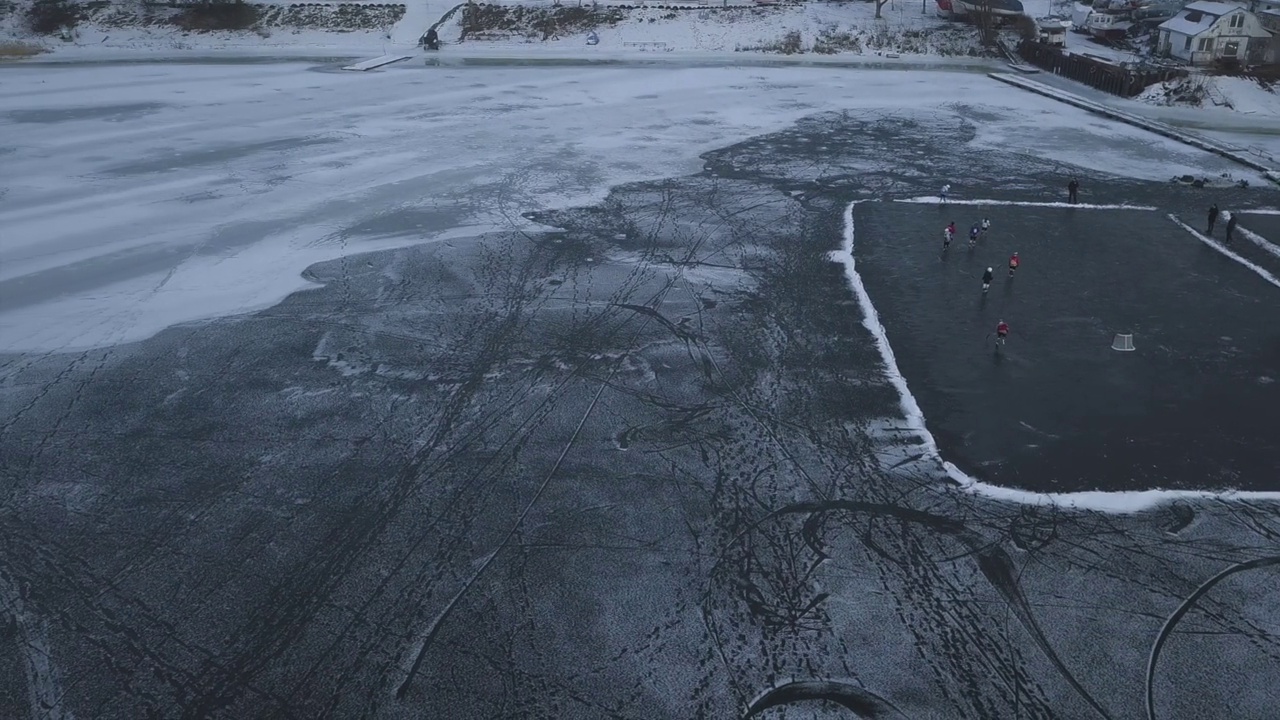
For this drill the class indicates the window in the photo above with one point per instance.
(1206, 45)
(1231, 49)
(1237, 20)
(1187, 46)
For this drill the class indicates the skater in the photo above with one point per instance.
(948, 232)
(1213, 217)
(986, 225)
(1013, 263)
(974, 232)
(945, 189)
(1231, 225)
(986, 279)
(1073, 190)
(1002, 332)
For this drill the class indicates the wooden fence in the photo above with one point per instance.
(1125, 82)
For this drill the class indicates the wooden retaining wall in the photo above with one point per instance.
(1103, 76)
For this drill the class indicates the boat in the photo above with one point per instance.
(945, 9)
(1152, 14)
(1109, 25)
(998, 8)
(1109, 21)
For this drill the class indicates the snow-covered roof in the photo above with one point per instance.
(1182, 25)
(1217, 9)
(1206, 13)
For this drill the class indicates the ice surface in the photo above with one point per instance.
(141, 196)
(1124, 502)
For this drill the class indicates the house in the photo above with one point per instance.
(1268, 12)
(1205, 32)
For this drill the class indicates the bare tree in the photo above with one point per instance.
(880, 4)
(985, 19)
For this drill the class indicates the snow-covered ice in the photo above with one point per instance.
(141, 196)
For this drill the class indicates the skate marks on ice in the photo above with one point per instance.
(993, 562)
(1167, 629)
(1224, 250)
(934, 200)
(376, 471)
(848, 695)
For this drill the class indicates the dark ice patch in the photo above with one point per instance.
(110, 113)
(187, 159)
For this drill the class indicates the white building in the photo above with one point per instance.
(1204, 32)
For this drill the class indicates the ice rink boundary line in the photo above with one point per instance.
(1260, 241)
(935, 200)
(871, 321)
(1158, 128)
(1120, 502)
(1223, 249)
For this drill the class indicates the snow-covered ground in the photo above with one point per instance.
(716, 30)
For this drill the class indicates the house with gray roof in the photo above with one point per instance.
(1205, 32)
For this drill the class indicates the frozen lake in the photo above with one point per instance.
(490, 391)
(143, 195)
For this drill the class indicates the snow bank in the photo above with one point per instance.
(1237, 94)
(935, 200)
(911, 412)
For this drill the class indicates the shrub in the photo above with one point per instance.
(791, 43)
(47, 17)
(218, 15)
(831, 40)
(14, 49)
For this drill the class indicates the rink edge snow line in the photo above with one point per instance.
(1115, 502)
(937, 200)
(1270, 173)
(1224, 250)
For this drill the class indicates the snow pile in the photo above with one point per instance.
(1241, 94)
